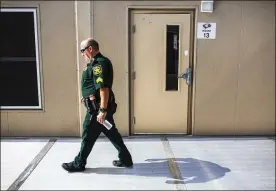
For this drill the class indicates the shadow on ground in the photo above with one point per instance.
(192, 170)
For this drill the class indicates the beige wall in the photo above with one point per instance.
(234, 87)
(234, 74)
(57, 45)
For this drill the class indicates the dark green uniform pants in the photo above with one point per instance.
(92, 130)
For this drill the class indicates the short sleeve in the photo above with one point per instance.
(100, 74)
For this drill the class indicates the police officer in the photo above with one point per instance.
(96, 85)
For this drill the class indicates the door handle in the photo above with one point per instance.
(187, 76)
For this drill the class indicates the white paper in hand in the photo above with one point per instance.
(107, 124)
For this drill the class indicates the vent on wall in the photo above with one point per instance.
(207, 6)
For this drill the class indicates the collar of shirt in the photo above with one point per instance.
(93, 60)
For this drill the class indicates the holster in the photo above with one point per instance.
(94, 105)
(91, 105)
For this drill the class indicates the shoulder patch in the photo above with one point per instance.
(97, 70)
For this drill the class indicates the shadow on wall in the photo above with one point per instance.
(192, 170)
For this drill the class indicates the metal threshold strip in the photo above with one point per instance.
(178, 180)
(29, 169)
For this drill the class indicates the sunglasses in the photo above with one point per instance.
(82, 50)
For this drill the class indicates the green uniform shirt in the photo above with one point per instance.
(97, 75)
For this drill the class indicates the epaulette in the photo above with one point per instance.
(100, 59)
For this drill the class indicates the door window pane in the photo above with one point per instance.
(172, 57)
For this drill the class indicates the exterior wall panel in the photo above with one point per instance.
(218, 67)
(216, 72)
(256, 88)
(57, 47)
(234, 87)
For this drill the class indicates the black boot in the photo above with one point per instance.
(119, 163)
(73, 167)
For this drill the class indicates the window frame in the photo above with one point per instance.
(37, 58)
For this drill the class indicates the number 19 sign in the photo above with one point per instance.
(206, 30)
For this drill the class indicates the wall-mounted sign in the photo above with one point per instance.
(206, 30)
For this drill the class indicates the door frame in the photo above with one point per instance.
(192, 10)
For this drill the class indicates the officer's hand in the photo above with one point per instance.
(82, 100)
(91, 97)
(101, 117)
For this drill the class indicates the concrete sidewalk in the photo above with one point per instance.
(185, 163)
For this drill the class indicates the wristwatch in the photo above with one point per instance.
(103, 110)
